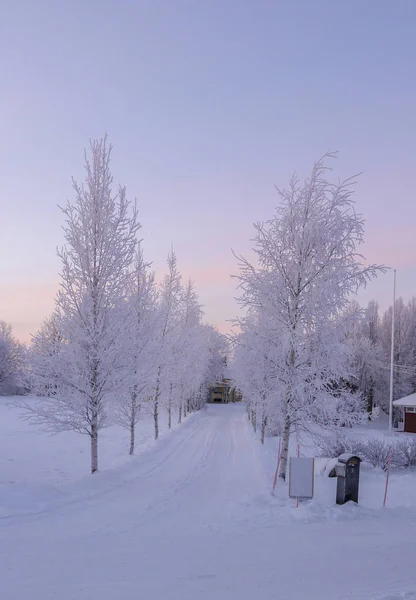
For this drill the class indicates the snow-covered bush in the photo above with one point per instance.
(406, 452)
(334, 444)
(377, 451)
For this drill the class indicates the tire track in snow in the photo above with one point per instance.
(171, 496)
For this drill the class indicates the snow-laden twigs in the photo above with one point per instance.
(291, 355)
(78, 357)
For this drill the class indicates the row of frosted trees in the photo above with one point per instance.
(292, 356)
(117, 345)
(12, 361)
(370, 344)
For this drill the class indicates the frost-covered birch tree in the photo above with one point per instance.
(139, 346)
(187, 349)
(365, 353)
(165, 331)
(100, 233)
(254, 362)
(369, 341)
(199, 358)
(307, 265)
(12, 355)
(216, 368)
(45, 356)
(189, 356)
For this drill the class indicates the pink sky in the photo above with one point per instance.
(26, 305)
(208, 106)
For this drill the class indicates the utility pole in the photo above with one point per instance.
(392, 355)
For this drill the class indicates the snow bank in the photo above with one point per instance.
(401, 492)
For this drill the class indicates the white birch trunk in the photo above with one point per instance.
(263, 428)
(94, 445)
(170, 408)
(285, 448)
(132, 424)
(156, 405)
(287, 421)
(156, 417)
(132, 437)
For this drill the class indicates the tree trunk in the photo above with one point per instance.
(132, 422)
(170, 408)
(180, 414)
(287, 423)
(156, 417)
(285, 448)
(184, 410)
(93, 407)
(254, 420)
(156, 404)
(132, 436)
(94, 445)
(263, 428)
(370, 398)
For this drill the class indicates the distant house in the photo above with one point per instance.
(408, 406)
(223, 392)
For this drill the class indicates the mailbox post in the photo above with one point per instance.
(348, 477)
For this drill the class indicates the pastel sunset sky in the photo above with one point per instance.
(208, 105)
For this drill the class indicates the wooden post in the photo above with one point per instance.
(278, 465)
(297, 499)
(387, 477)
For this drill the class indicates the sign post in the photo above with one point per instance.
(387, 477)
(277, 466)
(301, 478)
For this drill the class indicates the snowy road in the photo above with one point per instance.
(195, 519)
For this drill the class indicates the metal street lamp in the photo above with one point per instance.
(392, 354)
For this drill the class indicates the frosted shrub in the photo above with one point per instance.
(377, 451)
(406, 451)
(334, 444)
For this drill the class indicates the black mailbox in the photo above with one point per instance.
(348, 478)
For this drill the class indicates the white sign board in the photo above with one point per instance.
(301, 476)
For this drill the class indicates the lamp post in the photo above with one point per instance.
(392, 355)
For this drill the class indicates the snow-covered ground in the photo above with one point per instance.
(38, 470)
(191, 517)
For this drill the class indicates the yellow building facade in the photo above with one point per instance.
(223, 393)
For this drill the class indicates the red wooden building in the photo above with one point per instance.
(408, 406)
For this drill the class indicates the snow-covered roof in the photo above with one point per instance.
(406, 401)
